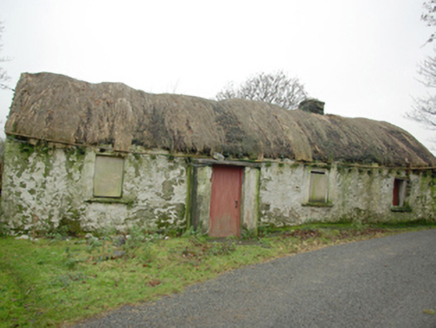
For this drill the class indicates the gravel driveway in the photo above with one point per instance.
(385, 282)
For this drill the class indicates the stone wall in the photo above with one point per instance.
(48, 186)
(354, 193)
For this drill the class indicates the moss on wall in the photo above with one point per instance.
(359, 194)
(47, 186)
(55, 184)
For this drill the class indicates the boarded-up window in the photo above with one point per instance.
(318, 187)
(108, 176)
(399, 192)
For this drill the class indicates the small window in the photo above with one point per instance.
(399, 192)
(108, 176)
(318, 187)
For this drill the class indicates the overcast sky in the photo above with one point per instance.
(360, 57)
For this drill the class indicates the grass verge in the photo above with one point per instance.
(53, 281)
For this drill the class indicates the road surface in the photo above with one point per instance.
(385, 282)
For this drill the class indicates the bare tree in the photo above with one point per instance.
(424, 108)
(429, 17)
(3, 78)
(275, 88)
(3, 75)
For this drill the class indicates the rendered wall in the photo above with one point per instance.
(354, 194)
(46, 186)
(250, 199)
(201, 197)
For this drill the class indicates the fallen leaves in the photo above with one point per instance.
(428, 311)
(154, 282)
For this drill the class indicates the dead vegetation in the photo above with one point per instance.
(59, 279)
(304, 234)
(58, 108)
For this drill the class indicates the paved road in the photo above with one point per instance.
(385, 282)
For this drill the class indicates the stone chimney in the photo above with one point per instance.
(312, 106)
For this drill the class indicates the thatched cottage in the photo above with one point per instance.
(94, 156)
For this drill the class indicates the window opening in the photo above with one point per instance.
(318, 187)
(399, 195)
(108, 176)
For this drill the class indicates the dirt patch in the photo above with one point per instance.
(366, 232)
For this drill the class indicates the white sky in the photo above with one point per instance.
(360, 57)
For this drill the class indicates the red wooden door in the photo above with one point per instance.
(225, 201)
(396, 200)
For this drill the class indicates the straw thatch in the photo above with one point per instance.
(55, 107)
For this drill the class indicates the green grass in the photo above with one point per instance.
(52, 281)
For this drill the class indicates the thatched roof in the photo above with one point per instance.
(55, 107)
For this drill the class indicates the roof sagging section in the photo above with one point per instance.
(58, 108)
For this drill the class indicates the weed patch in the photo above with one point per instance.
(61, 279)
(303, 234)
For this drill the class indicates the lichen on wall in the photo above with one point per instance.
(157, 185)
(47, 185)
(38, 187)
(354, 193)
(281, 193)
(423, 194)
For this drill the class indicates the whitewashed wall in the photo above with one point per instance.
(43, 185)
(357, 194)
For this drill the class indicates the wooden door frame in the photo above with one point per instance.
(199, 190)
